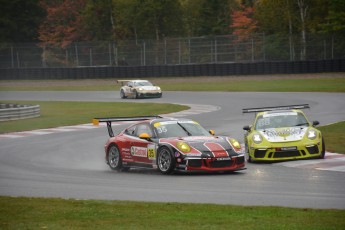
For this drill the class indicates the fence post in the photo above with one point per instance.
(189, 50)
(109, 51)
(90, 54)
(179, 51)
(252, 49)
(144, 53)
(12, 57)
(66, 53)
(215, 50)
(18, 64)
(76, 54)
(165, 51)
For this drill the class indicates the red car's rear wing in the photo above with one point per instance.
(283, 107)
(109, 120)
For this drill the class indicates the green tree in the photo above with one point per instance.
(334, 22)
(19, 20)
(212, 17)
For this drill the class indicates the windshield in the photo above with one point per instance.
(142, 83)
(279, 120)
(167, 129)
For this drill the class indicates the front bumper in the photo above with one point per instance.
(292, 152)
(234, 163)
(149, 94)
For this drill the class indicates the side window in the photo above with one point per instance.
(143, 128)
(130, 130)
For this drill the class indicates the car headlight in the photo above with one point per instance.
(158, 88)
(183, 146)
(311, 134)
(140, 89)
(257, 138)
(235, 143)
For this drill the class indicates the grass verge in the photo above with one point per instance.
(58, 113)
(227, 84)
(334, 137)
(44, 213)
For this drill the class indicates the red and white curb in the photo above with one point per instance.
(331, 162)
(194, 109)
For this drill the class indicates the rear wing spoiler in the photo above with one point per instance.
(122, 81)
(263, 109)
(109, 120)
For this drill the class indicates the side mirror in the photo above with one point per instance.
(246, 127)
(315, 123)
(212, 132)
(145, 136)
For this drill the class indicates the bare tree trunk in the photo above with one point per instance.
(303, 13)
(292, 57)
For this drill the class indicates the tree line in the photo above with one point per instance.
(62, 22)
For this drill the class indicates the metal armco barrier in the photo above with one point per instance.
(223, 69)
(9, 112)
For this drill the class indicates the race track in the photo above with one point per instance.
(70, 163)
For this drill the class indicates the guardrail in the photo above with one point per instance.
(9, 112)
(223, 69)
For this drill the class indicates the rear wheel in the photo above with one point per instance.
(114, 158)
(165, 160)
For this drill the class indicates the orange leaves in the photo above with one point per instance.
(243, 23)
(62, 24)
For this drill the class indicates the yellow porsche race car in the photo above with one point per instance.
(139, 89)
(282, 133)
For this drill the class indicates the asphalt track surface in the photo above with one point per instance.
(71, 164)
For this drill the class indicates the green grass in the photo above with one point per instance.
(44, 213)
(281, 85)
(230, 84)
(334, 137)
(57, 113)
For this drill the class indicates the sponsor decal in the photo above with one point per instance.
(138, 151)
(282, 132)
(223, 158)
(288, 148)
(280, 114)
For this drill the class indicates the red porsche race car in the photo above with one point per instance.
(170, 144)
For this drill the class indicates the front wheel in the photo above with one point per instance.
(122, 94)
(114, 159)
(323, 151)
(165, 160)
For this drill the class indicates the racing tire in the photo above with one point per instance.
(323, 151)
(136, 94)
(122, 94)
(247, 155)
(114, 159)
(165, 160)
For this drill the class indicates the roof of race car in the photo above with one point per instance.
(167, 119)
(132, 81)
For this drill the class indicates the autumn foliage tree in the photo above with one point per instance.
(243, 23)
(63, 23)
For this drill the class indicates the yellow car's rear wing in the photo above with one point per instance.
(283, 107)
(109, 120)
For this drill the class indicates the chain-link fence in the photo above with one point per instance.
(175, 51)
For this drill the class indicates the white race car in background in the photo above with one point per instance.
(139, 89)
